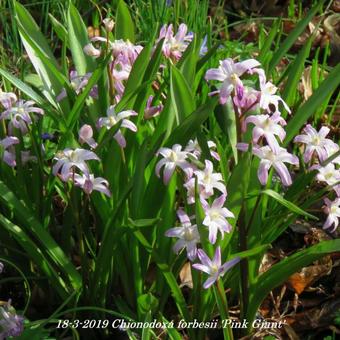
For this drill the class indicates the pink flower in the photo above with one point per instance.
(247, 98)
(229, 73)
(315, 142)
(268, 127)
(88, 183)
(215, 217)
(121, 47)
(187, 234)
(332, 209)
(86, 136)
(213, 267)
(152, 111)
(172, 158)
(113, 118)
(69, 158)
(8, 156)
(269, 159)
(174, 45)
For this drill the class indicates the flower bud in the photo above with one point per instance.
(109, 24)
(90, 50)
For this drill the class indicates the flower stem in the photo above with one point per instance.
(222, 303)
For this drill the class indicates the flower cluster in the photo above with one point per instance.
(174, 45)
(267, 131)
(69, 160)
(124, 54)
(317, 149)
(204, 182)
(18, 113)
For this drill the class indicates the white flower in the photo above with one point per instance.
(315, 141)
(268, 97)
(69, 158)
(187, 234)
(109, 24)
(213, 267)
(215, 217)
(194, 147)
(229, 74)
(19, 115)
(269, 159)
(330, 175)
(88, 183)
(113, 118)
(268, 127)
(333, 211)
(91, 51)
(207, 180)
(172, 158)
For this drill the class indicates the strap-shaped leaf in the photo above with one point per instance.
(125, 29)
(280, 272)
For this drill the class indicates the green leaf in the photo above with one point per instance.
(80, 101)
(280, 272)
(291, 206)
(138, 69)
(31, 225)
(59, 29)
(263, 55)
(23, 87)
(238, 184)
(35, 255)
(295, 72)
(41, 57)
(124, 25)
(182, 133)
(182, 97)
(225, 117)
(307, 109)
(78, 38)
(293, 35)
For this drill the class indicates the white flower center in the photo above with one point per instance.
(328, 175)
(270, 156)
(233, 78)
(73, 157)
(112, 120)
(21, 110)
(214, 268)
(333, 209)
(214, 214)
(267, 124)
(173, 157)
(188, 235)
(316, 140)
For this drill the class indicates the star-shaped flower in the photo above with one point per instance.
(213, 267)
